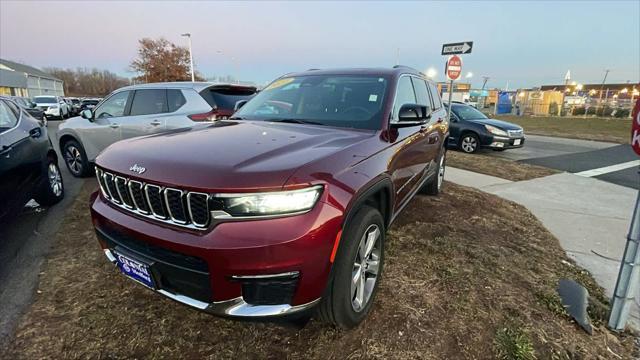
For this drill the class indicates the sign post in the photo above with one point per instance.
(453, 68)
(629, 274)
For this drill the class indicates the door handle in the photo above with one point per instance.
(35, 133)
(114, 126)
(156, 122)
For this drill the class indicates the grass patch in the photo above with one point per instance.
(513, 344)
(495, 166)
(460, 268)
(590, 128)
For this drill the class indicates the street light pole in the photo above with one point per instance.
(193, 76)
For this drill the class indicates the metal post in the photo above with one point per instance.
(629, 275)
(450, 93)
(193, 76)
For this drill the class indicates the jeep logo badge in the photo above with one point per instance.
(137, 169)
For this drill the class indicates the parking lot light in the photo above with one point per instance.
(469, 75)
(188, 36)
(431, 73)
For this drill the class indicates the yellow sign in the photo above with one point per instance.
(279, 83)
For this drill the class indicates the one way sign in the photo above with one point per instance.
(457, 48)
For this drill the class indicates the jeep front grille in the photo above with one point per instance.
(169, 205)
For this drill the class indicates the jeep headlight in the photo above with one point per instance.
(271, 203)
(495, 131)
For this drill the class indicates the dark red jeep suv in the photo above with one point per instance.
(282, 208)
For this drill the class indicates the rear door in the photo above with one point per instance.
(19, 164)
(148, 114)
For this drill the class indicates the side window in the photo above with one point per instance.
(8, 118)
(422, 94)
(437, 102)
(113, 106)
(175, 99)
(404, 95)
(152, 101)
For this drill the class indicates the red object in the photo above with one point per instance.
(454, 67)
(635, 127)
(354, 166)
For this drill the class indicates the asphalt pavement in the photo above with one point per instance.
(610, 162)
(25, 240)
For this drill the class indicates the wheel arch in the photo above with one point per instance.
(66, 138)
(377, 194)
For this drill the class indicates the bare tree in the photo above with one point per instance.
(88, 82)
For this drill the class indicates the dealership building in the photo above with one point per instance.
(23, 80)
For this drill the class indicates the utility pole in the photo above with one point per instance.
(193, 76)
(606, 72)
(484, 81)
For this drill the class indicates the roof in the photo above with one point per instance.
(197, 85)
(27, 69)
(396, 70)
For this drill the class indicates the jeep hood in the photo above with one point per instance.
(227, 155)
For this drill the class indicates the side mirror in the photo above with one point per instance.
(412, 115)
(239, 104)
(87, 114)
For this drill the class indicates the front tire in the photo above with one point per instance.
(75, 158)
(469, 143)
(356, 272)
(52, 189)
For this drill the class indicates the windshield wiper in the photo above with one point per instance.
(295, 121)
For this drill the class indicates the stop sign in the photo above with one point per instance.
(635, 128)
(454, 67)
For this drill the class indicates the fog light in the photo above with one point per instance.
(497, 144)
(269, 289)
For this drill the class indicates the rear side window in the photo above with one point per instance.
(175, 99)
(149, 101)
(422, 94)
(8, 118)
(435, 95)
(226, 98)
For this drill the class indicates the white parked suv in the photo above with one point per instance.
(144, 109)
(52, 106)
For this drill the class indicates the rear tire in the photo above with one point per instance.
(346, 302)
(434, 185)
(52, 188)
(75, 158)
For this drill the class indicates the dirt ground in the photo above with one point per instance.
(468, 276)
(495, 166)
(590, 128)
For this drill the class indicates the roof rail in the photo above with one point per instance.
(312, 69)
(405, 67)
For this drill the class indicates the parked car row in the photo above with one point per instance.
(254, 204)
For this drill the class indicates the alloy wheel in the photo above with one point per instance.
(73, 159)
(365, 268)
(469, 144)
(55, 179)
(441, 169)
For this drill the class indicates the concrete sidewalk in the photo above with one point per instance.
(589, 217)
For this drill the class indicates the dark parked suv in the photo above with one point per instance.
(281, 208)
(28, 163)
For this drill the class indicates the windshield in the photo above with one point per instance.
(465, 112)
(334, 100)
(45, 100)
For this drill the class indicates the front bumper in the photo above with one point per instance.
(231, 254)
(498, 142)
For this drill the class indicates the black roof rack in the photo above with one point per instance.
(312, 69)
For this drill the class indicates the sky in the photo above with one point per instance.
(517, 43)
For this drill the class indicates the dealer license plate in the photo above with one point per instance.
(135, 269)
(517, 141)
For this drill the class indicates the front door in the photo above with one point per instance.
(411, 159)
(107, 118)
